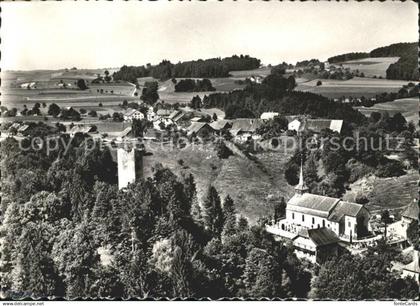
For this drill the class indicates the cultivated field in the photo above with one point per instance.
(356, 87)
(408, 107)
(371, 66)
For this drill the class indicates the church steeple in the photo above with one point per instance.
(301, 188)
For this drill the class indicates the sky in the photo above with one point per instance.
(55, 35)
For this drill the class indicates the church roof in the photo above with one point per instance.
(344, 209)
(312, 204)
(412, 211)
(320, 236)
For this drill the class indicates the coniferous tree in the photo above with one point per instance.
(229, 215)
(212, 212)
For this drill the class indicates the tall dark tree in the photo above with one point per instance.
(229, 215)
(212, 212)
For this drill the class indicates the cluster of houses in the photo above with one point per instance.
(243, 129)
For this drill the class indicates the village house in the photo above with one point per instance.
(398, 230)
(320, 216)
(131, 114)
(244, 129)
(163, 113)
(316, 244)
(268, 115)
(84, 129)
(221, 125)
(315, 125)
(413, 269)
(176, 116)
(200, 129)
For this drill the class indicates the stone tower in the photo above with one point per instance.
(301, 188)
(130, 166)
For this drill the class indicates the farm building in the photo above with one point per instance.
(132, 114)
(176, 115)
(200, 129)
(84, 129)
(268, 115)
(221, 125)
(164, 113)
(315, 125)
(243, 129)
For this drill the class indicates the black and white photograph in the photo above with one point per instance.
(209, 151)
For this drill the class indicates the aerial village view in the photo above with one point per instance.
(251, 158)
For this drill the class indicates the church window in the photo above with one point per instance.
(323, 223)
(303, 217)
(293, 215)
(313, 220)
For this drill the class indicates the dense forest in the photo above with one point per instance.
(406, 68)
(190, 85)
(209, 68)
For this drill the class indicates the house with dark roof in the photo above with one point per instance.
(243, 128)
(316, 244)
(221, 125)
(200, 129)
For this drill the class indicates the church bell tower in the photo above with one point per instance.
(301, 188)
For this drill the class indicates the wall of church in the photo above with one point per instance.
(310, 221)
(350, 226)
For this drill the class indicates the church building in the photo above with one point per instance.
(314, 222)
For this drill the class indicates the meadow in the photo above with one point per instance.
(253, 185)
(408, 107)
(356, 87)
(371, 66)
(392, 193)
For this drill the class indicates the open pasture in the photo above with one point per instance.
(356, 87)
(263, 71)
(385, 193)
(371, 66)
(408, 107)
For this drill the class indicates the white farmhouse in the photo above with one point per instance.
(132, 114)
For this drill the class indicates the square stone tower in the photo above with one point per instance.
(130, 166)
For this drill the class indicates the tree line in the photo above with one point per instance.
(209, 68)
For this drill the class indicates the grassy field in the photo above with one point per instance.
(254, 186)
(386, 193)
(371, 66)
(408, 107)
(356, 87)
(263, 71)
